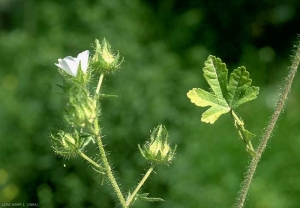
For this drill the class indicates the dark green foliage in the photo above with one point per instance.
(164, 47)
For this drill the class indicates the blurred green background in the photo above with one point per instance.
(165, 44)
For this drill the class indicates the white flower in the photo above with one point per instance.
(70, 64)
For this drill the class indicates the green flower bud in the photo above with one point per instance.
(66, 144)
(158, 150)
(81, 108)
(104, 60)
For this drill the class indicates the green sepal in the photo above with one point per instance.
(104, 60)
(107, 96)
(144, 197)
(158, 150)
(66, 144)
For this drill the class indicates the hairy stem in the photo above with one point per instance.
(109, 173)
(106, 165)
(99, 84)
(239, 126)
(87, 158)
(264, 140)
(236, 118)
(147, 174)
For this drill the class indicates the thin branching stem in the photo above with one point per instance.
(87, 158)
(103, 156)
(268, 132)
(141, 183)
(99, 84)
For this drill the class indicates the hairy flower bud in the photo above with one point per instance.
(104, 60)
(81, 108)
(66, 144)
(158, 150)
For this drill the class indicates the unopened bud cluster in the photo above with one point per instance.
(82, 108)
(158, 150)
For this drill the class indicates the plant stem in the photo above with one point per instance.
(239, 126)
(109, 173)
(106, 165)
(147, 174)
(87, 158)
(99, 84)
(96, 126)
(280, 105)
(236, 118)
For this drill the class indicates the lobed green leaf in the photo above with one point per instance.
(239, 90)
(215, 73)
(202, 98)
(225, 96)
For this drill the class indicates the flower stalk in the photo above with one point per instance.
(99, 84)
(141, 183)
(87, 158)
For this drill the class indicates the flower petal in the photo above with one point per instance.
(83, 58)
(69, 65)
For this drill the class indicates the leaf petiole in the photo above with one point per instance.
(244, 134)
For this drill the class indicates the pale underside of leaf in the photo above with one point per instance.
(203, 98)
(213, 113)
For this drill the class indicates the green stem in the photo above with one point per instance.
(268, 132)
(106, 165)
(147, 174)
(236, 118)
(99, 84)
(109, 173)
(87, 158)
(239, 125)
(97, 92)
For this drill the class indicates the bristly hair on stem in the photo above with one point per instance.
(268, 132)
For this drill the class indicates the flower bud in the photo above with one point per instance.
(81, 108)
(66, 144)
(104, 60)
(158, 150)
